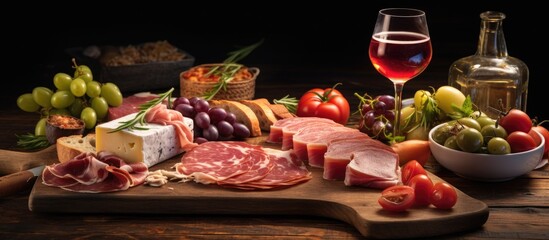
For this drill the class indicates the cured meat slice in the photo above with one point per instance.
(276, 133)
(339, 154)
(160, 114)
(261, 166)
(287, 171)
(212, 162)
(310, 146)
(92, 173)
(241, 165)
(374, 168)
(288, 132)
(129, 105)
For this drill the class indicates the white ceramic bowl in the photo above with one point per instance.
(486, 167)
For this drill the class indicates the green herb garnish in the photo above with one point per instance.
(143, 109)
(30, 141)
(228, 69)
(289, 102)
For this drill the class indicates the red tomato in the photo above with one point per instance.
(397, 198)
(413, 149)
(443, 195)
(410, 169)
(326, 103)
(545, 133)
(422, 186)
(516, 120)
(521, 141)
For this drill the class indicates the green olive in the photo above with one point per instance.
(451, 143)
(485, 120)
(491, 131)
(469, 140)
(442, 133)
(469, 122)
(498, 145)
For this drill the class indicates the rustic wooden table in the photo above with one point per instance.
(518, 208)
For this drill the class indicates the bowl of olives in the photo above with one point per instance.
(480, 152)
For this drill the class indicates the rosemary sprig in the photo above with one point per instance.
(143, 109)
(289, 102)
(228, 69)
(30, 141)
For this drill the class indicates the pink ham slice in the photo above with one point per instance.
(92, 173)
(373, 168)
(310, 146)
(339, 154)
(242, 165)
(160, 114)
(278, 128)
(288, 132)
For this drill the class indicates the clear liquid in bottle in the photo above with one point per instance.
(495, 81)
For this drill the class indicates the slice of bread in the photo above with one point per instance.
(244, 114)
(71, 146)
(263, 112)
(279, 110)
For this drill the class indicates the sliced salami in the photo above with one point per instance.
(242, 165)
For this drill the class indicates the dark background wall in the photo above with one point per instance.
(324, 36)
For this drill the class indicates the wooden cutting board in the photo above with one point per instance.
(318, 197)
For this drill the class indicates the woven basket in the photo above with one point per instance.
(239, 90)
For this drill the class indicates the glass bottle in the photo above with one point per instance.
(495, 81)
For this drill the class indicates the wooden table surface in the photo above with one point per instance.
(519, 209)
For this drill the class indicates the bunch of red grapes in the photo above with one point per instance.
(210, 124)
(377, 116)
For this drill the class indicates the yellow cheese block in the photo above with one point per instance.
(151, 146)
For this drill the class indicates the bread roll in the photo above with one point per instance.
(71, 146)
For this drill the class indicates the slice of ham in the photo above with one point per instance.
(339, 154)
(374, 168)
(93, 173)
(289, 131)
(277, 129)
(160, 114)
(311, 146)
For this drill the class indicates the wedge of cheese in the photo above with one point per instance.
(152, 146)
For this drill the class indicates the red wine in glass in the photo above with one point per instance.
(400, 56)
(400, 49)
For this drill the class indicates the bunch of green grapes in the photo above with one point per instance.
(78, 95)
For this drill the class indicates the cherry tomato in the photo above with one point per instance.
(410, 169)
(327, 103)
(521, 141)
(545, 134)
(443, 195)
(422, 186)
(516, 120)
(397, 198)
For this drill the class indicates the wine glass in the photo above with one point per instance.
(400, 49)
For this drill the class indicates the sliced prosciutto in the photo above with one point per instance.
(93, 173)
(373, 168)
(295, 123)
(311, 146)
(307, 126)
(160, 114)
(241, 165)
(339, 154)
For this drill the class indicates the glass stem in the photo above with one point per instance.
(398, 106)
